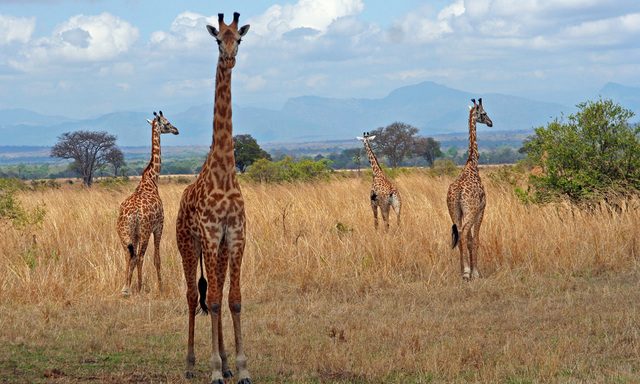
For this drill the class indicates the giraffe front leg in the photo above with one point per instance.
(213, 297)
(189, 251)
(221, 271)
(235, 305)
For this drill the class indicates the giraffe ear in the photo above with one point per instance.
(360, 138)
(470, 107)
(150, 122)
(371, 137)
(212, 31)
(243, 31)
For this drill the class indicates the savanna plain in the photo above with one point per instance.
(326, 298)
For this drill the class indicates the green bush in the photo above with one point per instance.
(10, 208)
(288, 170)
(595, 153)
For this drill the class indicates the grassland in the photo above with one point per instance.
(326, 298)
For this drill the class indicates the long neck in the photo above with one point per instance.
(221, 153)
(375, 166)
(472, 160)
(153, 168)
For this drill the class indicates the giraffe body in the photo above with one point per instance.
(141, 214)
(384, 195)
(210, 227)
(466, 200)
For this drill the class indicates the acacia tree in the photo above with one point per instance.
(428, 148)
(246, 151)
(395, 141)
(88, 150)
(115, 157)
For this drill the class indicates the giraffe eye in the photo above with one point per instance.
(218, 41)
(239, 41)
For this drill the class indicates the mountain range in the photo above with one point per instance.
(433, 108)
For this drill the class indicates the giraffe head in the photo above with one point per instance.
(366, 136)
(479, 113)
(228, 38)
(163, 124)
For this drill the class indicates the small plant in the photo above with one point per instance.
(12, 211)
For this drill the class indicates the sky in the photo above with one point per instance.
(85, 58)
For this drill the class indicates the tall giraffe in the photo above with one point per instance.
(211, 221)
(466, 199)
(384, 194)
(141, 214)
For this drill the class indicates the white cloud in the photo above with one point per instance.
(314, 14)
(80, 39)
(16, 29)
(188, 30)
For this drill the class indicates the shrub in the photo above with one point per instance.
(595, 153)
(12, 211)
(288, 170)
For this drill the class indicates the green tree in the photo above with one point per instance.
(115, 157)
(428, 148)
(395, 141)
(246, 151)
(594, 152)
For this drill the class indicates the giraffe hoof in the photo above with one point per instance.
(189, 375)
(246, 380)
(227, 374)
(217, 381)
(466, 277)
(126, 292)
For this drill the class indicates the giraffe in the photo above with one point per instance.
(466, 199)
(210, 227)
(383, 193)
(141, 214)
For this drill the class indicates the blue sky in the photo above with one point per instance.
(85, 58)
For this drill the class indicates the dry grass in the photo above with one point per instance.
(326, 298)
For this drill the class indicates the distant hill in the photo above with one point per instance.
(629, 97)
(435, 109)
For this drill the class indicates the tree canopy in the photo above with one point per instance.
(88, 150)
(395, 142)
(594, 152)
(246, 151)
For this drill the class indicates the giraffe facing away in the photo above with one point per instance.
(466, 200)
(141, 214)
(211, 221)
(384, 194)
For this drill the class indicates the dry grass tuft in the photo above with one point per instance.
(326, 298)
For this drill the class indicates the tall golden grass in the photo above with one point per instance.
(329, 299)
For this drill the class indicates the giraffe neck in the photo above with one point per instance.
(153, 168)
(375, 166)
(472, 160)
(221, 152)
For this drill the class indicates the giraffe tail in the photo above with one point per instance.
(454, 236)
(132, 251)
(202, 290)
